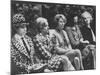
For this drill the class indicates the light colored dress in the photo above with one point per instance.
(63, 43)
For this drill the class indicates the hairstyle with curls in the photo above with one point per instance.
(59, 16)
(86, 14)
(41, 23)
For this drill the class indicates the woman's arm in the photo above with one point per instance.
(67, 40)
(41, 48)
(81, 37)
(71, 37)
(57, 47)
(60, 50)
(15, 56)
(84, 41)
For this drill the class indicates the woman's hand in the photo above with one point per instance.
(82, 41)
(38, 66)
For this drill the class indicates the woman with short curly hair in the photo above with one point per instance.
(62, 41)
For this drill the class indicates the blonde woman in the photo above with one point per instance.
(63, 46)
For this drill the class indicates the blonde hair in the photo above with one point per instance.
(58, 16)
(87, 15)
(41, 22)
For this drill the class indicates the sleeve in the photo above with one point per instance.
(42, 49)
(78, 30)
(72, 40)
(32, 54)
(67, 40)
(16, 59)
(58, 49)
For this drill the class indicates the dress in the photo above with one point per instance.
(23, 55)
(63, 46)
(21, 58)
(44, 48)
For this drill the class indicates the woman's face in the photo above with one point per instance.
(22, 30)
(45, 29)
(87, 20)
(61, 24)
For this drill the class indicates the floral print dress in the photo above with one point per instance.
(45, 52)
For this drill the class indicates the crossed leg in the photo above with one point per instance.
(76, 57)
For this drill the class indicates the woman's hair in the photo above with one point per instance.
(41, 23)
(86, 14)
(18, 21)
(59, 16)
(18, 18)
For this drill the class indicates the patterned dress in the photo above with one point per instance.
(22, 56)
(45, 51)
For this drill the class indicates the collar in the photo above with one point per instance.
(17, 36)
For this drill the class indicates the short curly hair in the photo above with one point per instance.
(58, 16)
(41, 22)
(86, 14)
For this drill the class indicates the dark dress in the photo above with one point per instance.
(87, 34)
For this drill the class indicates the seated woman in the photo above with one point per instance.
(22, 49)
(77, 42)
(75, 36)
(44, 48)
(63, 46)
(88, 34)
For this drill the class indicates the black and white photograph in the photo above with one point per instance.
(52, 37)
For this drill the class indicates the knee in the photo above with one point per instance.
(76, 59)
(85, 52)
(77, 51)
(65, 58)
